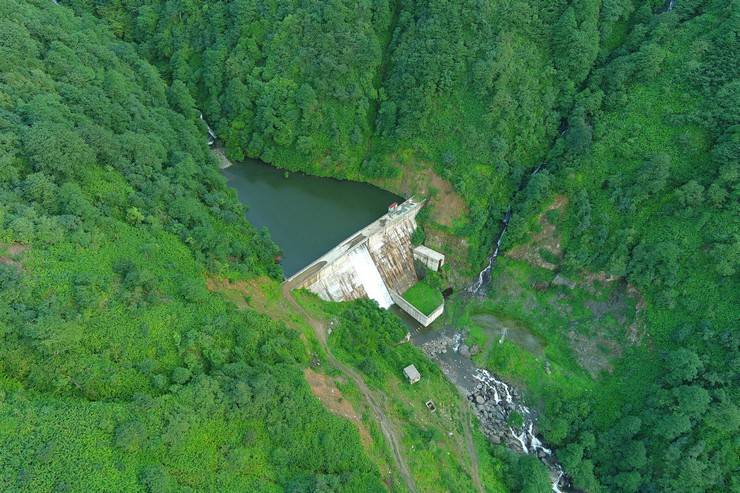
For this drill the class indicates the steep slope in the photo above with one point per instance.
(469, 89)
(649, 170)
(119, 371)
(632, 107)
(290, 83)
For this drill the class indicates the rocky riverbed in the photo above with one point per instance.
(504, 417)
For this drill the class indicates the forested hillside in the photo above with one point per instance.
(650, 166)
(476, 90)
(119, 367)
(119, 371)
(291, 83)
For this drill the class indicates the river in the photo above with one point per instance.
(306, 215)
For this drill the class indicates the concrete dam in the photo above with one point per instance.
(377, 262)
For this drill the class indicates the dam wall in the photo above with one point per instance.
(372, 263)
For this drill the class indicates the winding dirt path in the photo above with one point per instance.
(386, 426)
(466, 422)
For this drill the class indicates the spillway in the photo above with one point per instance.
(369, 276)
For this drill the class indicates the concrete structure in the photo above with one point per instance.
(371, 263)
(377, 262)
(412, 374)
(431, 259)
(415, 313)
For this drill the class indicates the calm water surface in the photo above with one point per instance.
(306, 215)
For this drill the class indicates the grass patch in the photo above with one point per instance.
(424, 297)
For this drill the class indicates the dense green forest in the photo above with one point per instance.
(650, 164)
(347, 89)
(120, 370)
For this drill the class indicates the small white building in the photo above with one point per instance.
(412, 374)
(432, 259)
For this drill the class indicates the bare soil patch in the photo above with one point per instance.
(595, 353)
(325, 389)
(589, 282)
(445, 204)
(11, 254)
(260, 294)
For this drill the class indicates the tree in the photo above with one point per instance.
(682, 366)
(57, 150)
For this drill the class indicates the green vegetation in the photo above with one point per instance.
(119, 370)
(424, 297)
(650, 164)
(355, 90)
(368, 338)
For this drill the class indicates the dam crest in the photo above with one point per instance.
(376, 262)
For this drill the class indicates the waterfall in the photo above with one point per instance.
(485, 275)
(369, 276)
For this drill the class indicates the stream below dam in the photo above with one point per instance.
(307, 216)
(501, 410)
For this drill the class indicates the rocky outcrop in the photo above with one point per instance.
(503, 415)
(506, 420)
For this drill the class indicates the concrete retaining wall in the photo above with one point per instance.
(430, 258)
(417, 315)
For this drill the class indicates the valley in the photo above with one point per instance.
(573, 234)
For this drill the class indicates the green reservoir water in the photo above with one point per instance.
(306, 215)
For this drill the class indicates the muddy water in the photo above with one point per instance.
(305, 215)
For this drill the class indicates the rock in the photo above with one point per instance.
(563, 281)
(474, 349)
(464, 350)
(540, 286)
(495, 439)
(480, 399)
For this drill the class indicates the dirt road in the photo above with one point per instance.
(385, 424)
(466, 422)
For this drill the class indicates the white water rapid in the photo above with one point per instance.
(370, 277)
(489, 391)
(479, 286)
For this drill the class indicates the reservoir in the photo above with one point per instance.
(306, 215)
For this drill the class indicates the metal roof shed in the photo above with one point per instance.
(412, 374)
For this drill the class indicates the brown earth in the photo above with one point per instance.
(277, 302)
(325, 389)
(445, 204)
(387, 427)
(589, 281)
(455, 249)
(10, 254)
(596, 351)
